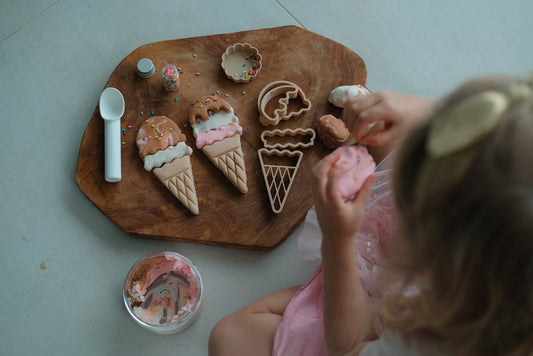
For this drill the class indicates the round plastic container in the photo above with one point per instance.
(145, 68)
(163, 292)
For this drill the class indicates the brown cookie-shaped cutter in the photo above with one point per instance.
(287, 90)
(279, 178)
(289, 132)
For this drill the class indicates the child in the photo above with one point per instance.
(460, 267)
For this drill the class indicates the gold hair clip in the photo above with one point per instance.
(473, 118)
(466, 123)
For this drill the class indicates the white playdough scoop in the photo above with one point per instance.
(111, 109)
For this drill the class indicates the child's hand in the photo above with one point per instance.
(393, 115)
(338, 219)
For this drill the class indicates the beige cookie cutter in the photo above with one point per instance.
(241, 62)
(278, 178)
(289, 132)
(288, 90)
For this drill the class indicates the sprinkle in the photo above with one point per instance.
(123, 131)
(123, 142)
(181, 72)
(226, 94)
(142, 113)
(197, 73)
(194, 102)
(179, 68)
(129, 126)
(244, 64)
(152, 125)
(243, 92)
(146, 120)
(153, 113)
(176, 99)
(194, 55)
(218, 91)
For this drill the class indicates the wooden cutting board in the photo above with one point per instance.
(141, 206)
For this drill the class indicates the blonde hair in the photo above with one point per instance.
(466, 232)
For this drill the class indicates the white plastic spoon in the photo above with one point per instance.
(111, 109)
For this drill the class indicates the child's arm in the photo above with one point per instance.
(393, 115)
(346, 313)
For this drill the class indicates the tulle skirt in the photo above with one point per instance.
(302, 330)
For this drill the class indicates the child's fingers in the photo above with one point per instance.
(355, 106)
(363, 194)
(332, 188)
(378, 138)
(321, 173)
(361, 102)
(373, 115)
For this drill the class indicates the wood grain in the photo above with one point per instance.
(141, 206)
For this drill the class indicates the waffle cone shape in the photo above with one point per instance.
(279, 178)
(227, 155)
(177, 177)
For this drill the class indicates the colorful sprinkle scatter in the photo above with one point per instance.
(252, 71)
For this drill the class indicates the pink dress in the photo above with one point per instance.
(301, 331)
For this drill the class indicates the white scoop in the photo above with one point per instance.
(111, 109)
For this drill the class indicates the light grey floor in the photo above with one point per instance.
(63, 262)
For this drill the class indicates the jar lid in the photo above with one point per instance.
(145, 68)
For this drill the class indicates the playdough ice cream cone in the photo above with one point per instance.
(162, 147)
(218, 135)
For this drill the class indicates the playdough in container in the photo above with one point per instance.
(241, 62)
(163, 292)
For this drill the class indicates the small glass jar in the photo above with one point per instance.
(163, 292)
(171, 77)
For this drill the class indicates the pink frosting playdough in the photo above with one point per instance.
(207, 138)
(356, 164)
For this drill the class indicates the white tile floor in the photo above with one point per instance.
(62, 262)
